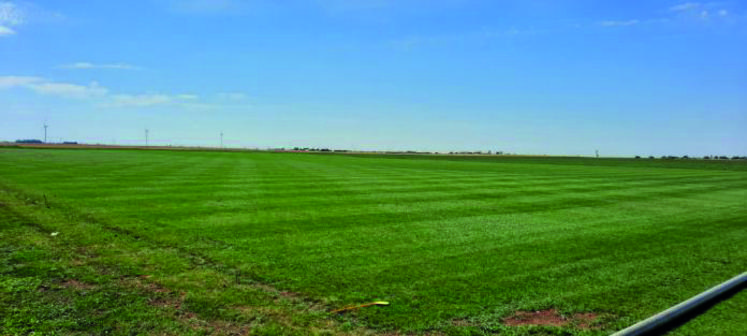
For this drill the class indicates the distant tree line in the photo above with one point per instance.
(37, 141)
(312, 149)
(716, 157)
(309, 149)
(476, 153)
(707, 157)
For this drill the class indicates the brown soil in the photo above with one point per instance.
(461, 323)
(549, 317)
(75, 284)
(585, 320)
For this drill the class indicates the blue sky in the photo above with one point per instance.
(530, 76)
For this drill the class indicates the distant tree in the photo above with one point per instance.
(685, 157)
(637, 157)
(651, 157)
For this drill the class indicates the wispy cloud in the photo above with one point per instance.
(15, 14)
(94, 92)
(67, 90)
(626, 23)
(46, 87)
(684, 7)
(10, 16)
(4, 31)
(87, 66)
(155, 99)
(684, 13)
(142, 100)
(8, 82)
(702, 11)
(707, 14)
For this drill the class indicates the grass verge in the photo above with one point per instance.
(64, 275)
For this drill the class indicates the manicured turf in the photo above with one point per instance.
(725, 319)
(455, 244)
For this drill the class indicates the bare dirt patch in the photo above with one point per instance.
(75, 284)
(550, 317)
(586, 320)
(462, 323)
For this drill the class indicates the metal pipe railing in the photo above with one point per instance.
(668, 316)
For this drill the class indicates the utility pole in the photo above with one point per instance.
(146, 137)
(45, 131)
(221, 139)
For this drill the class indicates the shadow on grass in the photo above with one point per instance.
(689, 316)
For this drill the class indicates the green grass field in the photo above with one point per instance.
(272, 242)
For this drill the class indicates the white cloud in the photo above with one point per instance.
(685, 13)
(688, 6)
(142, 100)
(10, 16)
(147, 100)
(14, 14)
(87, 65)
(46, 87)
(67, 90)
(5, 31)
(7, 82)
(103, 97)
(703, 11)
(619, 23)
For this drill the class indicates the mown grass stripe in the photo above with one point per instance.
(440, 239)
